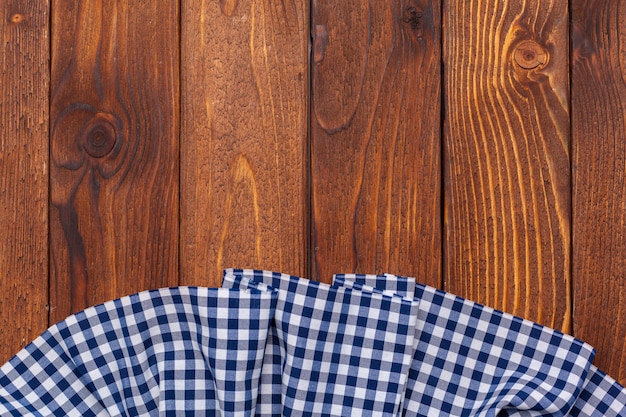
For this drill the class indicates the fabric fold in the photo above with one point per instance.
(344, 352)
(168, 352)
(474, 360)
(601, 396)
(271, 344)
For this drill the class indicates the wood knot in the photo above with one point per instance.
(320, 43)
(228, 7)
(529, 55)
(413, 17)
(16, 19)
(99, 135)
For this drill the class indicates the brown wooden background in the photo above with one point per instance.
(478, 145)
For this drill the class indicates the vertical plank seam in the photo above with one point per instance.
(49, 182)
(570, 62)
(442, 150)
(309, 250)
(180, 136)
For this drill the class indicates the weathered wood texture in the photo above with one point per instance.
(90, 154)
(375, 138)
(506, 134)
(24, 30)
(599, 179)
(114, 150)
(244, 129)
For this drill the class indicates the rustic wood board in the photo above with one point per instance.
(375, 138)
(244, 138)
(24, 88)
(114, 150)
(507, 174)
(599, 179)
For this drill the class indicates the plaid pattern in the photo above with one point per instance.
(334, 350)
(390, 284)
(182, 351)
(472, 360)
(345, 352)
(601, 396)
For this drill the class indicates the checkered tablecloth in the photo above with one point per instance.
(270, 344)
(472, 360)
(343, 352)
(172, 352)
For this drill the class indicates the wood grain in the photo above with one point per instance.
(114, 150)
(24, 30)
(599, 179)
(375, 139)
(244, 128)
(507, 175)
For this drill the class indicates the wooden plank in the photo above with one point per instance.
(375, 132)
(599, 179)
(244, 128)
(114, 150)
(23, 172)
(507, 175)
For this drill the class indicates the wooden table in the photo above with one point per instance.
(477, 145)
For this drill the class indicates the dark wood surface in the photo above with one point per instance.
(375, 139)
(114, 150)
(24, 33)
(172, 139)
(507, 195)
(599, 179)
(244, 138)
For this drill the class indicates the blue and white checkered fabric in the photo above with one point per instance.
(359, 347)
(601, 396)
(341, 352)
(182, 351)
(393, 284)
(472, 360)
